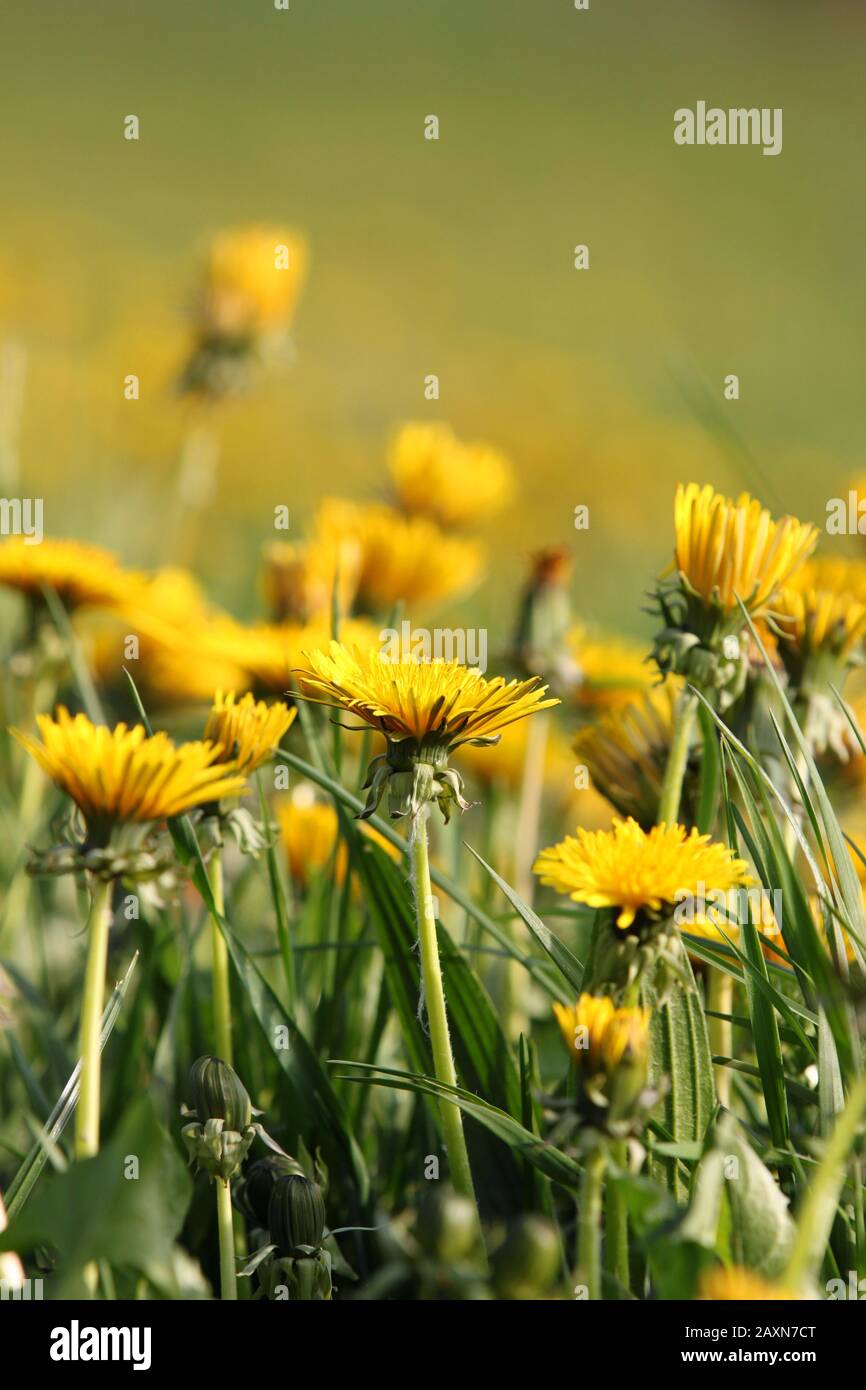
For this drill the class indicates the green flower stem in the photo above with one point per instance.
(225, 1221)
(616, 1224)
(222, 1004)
(672, 787)
(87, 1113)
(720, 1000)
(434, 997)
(589, 1224)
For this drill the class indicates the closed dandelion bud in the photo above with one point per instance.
(447, 1227)
(217, 1093)
(221, 1131)
(528, 1261)
(296, 1215)
(259, 1182)
(545, 614)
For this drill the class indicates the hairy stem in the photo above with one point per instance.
(87, 1113)
(225, 1220)
(589, 1226)
(434, 997)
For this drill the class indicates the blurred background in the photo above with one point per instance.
(605, 387)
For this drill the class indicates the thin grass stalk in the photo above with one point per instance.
(434, 998)
(222, 1006)
(720, 1000)
(280, 898)
(87, 1114)
(589, 1223)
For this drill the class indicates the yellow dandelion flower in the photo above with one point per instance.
(247, 730)
(253, 278)
(118, 776)
(188, 667)
(171, 598)
(401, 558)
(79, 574)
(425, 710)
(600, 1036)
(634, 870)
(437, 475)
(741, 1285)
(272, 653)
(727, 550)
(299, 578)
(261, 657)
(606, 671)
(160, 611)
(309, 831)
(823, 608)
(419, 699)
(626, 752)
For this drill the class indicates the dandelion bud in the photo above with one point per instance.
(545, 614)
(528, 1261)
(221, 1131)
(259, 1181)
(296, 1215)
(217, 1093)
(446, 1226)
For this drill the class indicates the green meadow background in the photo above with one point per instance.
(454, 257)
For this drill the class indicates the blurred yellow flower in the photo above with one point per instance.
(120, 775)
(299, 578)
(600, 1036)
(502, 764)
(726, 550)
(159, 611)
(309, 830)
(273, 653)
(606, 670)
(247, 730)
(401, 558)
(253, 278)
(226, 654)
(823, 608)
(188, 667)
(79, 574)
(435, 474)
(631, 869)
(171, 598)
(741, 1285)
